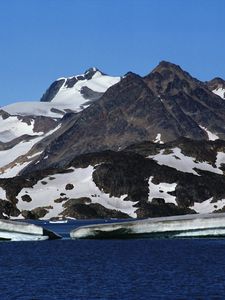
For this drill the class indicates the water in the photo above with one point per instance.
(112, 269)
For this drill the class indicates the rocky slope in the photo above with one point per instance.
(165, 105)
(143, 180)
(97, 146)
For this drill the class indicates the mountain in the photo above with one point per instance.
(166, 104)
(97, 146)
(28, 127)
(65, 95)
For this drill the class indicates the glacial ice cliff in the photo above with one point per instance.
(20, 231)
(175, 226)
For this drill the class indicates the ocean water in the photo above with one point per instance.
(112, 269)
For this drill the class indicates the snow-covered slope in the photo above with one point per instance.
(73, 94)
(48, 192)
(13, 127)
(184, 163)
(220, 92)
(14, 159)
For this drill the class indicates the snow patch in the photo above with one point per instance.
(161, 191)
(180, 162)
(207, 206)
(12, 127)
(211, 136)
(220, 92)
(158, 139)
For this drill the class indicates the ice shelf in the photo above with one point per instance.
(21, 231)
(195, 225)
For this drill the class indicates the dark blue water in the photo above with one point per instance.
(112, 269)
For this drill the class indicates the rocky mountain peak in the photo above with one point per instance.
(216, 83)
(89, 73)
(4, 114)
(168, 66)
(170, 78)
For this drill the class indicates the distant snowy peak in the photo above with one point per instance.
(89, 85)
(71, 94)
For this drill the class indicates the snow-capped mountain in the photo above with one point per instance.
(64, 95)
(97, 146)
(26, 127)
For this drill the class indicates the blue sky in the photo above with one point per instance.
(41, 40)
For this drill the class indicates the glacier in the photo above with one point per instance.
(196, 225)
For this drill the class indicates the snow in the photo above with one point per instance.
(161, 191)
(220, 159)
(183, 163)
(211, 136)
(169, 225)
(158, 139)
(36, 108)
(207, 206)
(66, 98)
(7, 156)
(2, 194)
(220, 92)
(22, 148)
(13, 171)
(12, 128)
(44, 194)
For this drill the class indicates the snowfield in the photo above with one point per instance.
(13, 127)
(180, 162)
(44, 194)
(9, 167)
(161, 191)
(67, 99)
(208, 206)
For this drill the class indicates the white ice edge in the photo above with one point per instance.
(156, 225)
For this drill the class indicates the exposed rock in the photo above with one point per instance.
(69, 186)
(52, 90)
(35, 213)
(92, 211)
(26, 198)
(7, 209)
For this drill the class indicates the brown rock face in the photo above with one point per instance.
(167, 101)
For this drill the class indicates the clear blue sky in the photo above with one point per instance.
(41, 40)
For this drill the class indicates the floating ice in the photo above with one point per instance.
(20, 231)
(176, 226)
